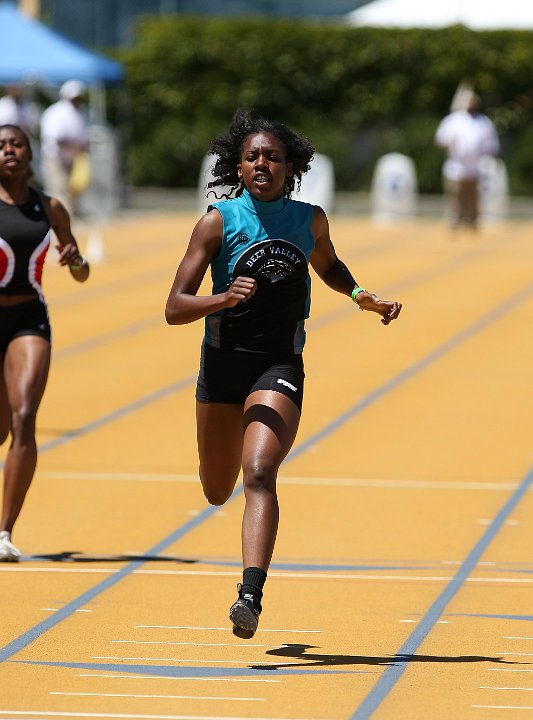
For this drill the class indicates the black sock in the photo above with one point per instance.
(253, 579)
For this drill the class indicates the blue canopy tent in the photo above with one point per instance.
(33, 53)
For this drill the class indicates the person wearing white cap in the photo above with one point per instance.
(64, 137)
(15, 110)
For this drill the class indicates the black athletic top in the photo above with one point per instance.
(24, 242)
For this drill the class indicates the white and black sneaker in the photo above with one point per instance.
(8, 552)
(244, 614)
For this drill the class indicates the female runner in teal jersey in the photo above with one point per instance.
(250, 385)
(26, 217)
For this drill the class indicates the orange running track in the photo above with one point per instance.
(402, 578)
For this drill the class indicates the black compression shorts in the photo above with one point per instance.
(229, 376)
(26, 318)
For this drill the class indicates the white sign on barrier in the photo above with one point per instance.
(394, 188)
(206, 195)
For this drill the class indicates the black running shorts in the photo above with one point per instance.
(26, 318)
(229, 376)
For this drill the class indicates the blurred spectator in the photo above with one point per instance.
(468, 136)
(15, 110)
(64, 144)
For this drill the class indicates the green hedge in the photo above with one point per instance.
(356, 92)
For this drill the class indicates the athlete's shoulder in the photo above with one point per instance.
(300, 207)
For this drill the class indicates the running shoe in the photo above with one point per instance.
(244, 614)
(8, 552)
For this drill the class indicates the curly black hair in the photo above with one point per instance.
(228, 148)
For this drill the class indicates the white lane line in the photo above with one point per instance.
(510, 670)
(340, 576)
(132, 477)
(193, 644)
(325, 481)
(286, 630)
(180, 627)
(439, 622)
(223, 629)
(186, 679)
(81, 571)
(507, 652)
(276, 574)
(503, 707)
(156, 697)
(47, 713)
(488, 687)
(511, 637)
(191, 660)
(415, 484)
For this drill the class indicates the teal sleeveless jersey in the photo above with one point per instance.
(271, 242)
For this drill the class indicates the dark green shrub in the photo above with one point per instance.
(356, 92)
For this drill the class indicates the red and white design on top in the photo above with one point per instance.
(7, 263)
(36, 264)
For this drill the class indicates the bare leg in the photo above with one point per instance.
(470, 202)
(452, 189)
(219, 435)
(5, 414)
(259, 439)
(271, 422)
(25, 372)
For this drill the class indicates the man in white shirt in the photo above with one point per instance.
(64, 136)
(468, 135)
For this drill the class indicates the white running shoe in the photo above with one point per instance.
(8, 552)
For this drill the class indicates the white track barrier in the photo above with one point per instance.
(493, 191)
(207, 196)
(318, 185)
(394, 190)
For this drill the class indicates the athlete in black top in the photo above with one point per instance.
(26, 218)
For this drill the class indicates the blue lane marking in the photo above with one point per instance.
(393, 672)
(194, 672)
(111, 336)
(439, 352)
(115, 415)
(28, 637)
